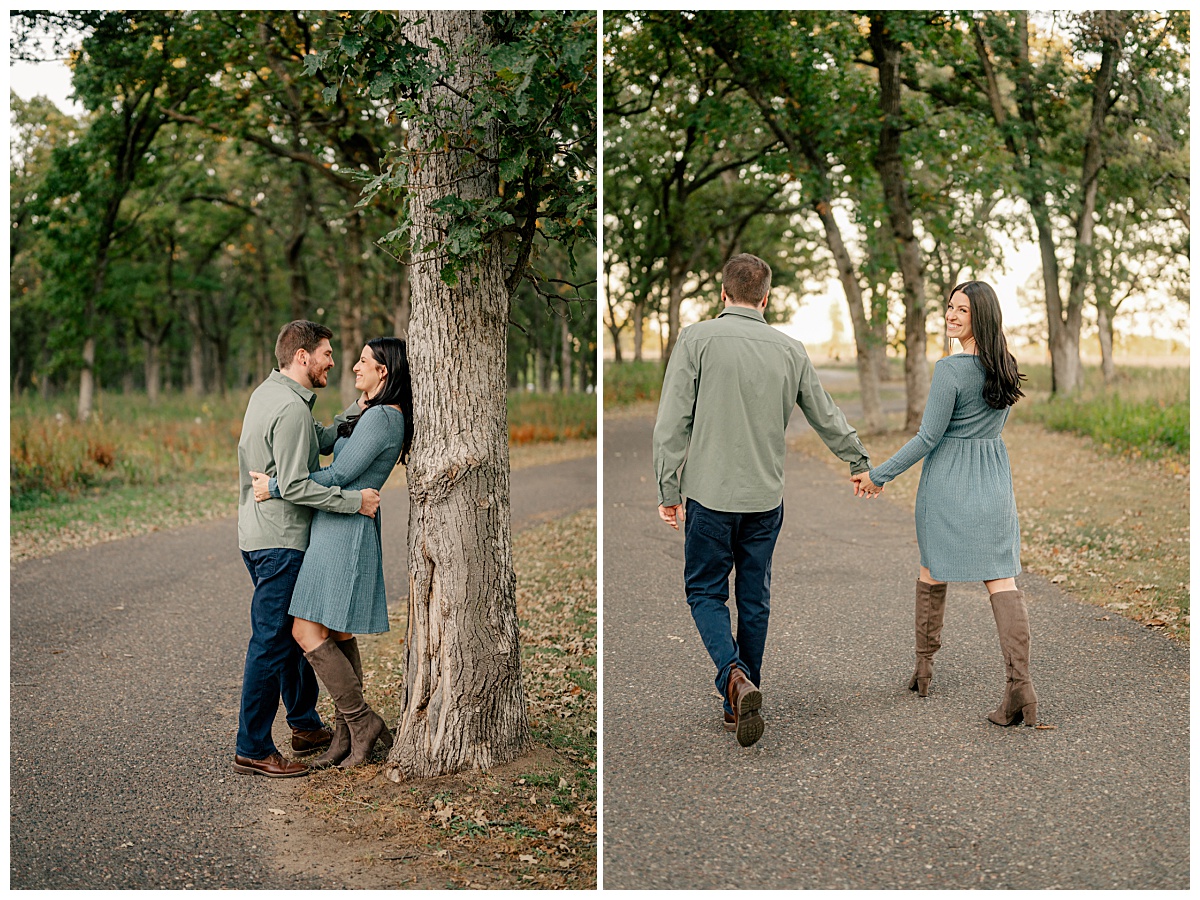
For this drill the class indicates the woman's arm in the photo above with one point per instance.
(943, 391)
(370, 438)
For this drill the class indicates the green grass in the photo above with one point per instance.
(631, 382)
(1145, 412)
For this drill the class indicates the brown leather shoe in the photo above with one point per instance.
(304, 742)
(730, 723)
(746, 701)
(274, 766)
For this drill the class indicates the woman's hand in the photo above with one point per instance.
(865, 487)
(261, 482)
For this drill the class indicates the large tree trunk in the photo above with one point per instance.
(869, 350)
(463, 704)
(890, 165)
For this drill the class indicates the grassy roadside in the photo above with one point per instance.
(531, 823)
(206, 488)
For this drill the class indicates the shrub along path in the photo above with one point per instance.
(126, 662)
(857, 783)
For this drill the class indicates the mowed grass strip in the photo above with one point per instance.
(532, 822)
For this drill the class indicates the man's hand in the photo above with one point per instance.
(671, 515)
(370, 502)
(261, 482)
(865, 487)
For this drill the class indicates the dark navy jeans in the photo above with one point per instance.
(714, 545)
(275, 664)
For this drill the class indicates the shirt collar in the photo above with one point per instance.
(744, 311)
(305, 394)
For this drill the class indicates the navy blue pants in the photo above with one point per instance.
(716, 544)
(275, 664)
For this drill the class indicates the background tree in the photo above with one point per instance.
(682, 149)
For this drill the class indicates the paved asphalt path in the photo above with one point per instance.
(126, 666)
(857, 783)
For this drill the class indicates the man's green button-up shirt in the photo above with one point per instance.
(727, 396)
(281, 437)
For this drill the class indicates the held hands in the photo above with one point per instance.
(864, 487)
(261, 490)
(671, 515)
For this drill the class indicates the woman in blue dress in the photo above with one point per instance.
(339, 591)
(967, 528)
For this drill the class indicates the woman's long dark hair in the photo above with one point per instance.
(391, 353)
(1001, 380)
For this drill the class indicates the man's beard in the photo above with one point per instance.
(318, 375)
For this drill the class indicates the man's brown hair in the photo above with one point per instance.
(299, 335)
(746, 279)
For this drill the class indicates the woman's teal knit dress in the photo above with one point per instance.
(967, 527)
(340, 583)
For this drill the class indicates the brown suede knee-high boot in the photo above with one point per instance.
(930, 613)
(364, 724)
(1012, 624)
(339, 748)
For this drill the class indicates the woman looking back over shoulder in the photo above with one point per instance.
(966, 513)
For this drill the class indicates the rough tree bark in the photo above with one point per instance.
(463, 705)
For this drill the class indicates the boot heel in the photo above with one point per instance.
(921, 686)
(1029, 714)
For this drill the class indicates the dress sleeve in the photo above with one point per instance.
(943, 392)
(370, 439)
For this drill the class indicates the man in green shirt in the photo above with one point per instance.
(281, 437)
(727, 396)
